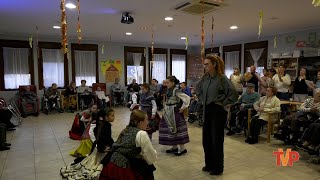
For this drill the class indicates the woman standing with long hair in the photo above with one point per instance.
(217, 94)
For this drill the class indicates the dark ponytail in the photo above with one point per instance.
(173, 79)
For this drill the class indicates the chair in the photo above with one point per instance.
(63, 100)
(103, 87)
(271, 123)
(28, 105)
(47, 106)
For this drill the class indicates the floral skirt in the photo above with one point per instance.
(88, 168)
(70, 102)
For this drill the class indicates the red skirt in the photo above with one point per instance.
(113, 172)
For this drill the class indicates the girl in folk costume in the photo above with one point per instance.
(173, 128)
(149, 105)
(86, 144)
(81, 121)
(132, 156)
(90, 167)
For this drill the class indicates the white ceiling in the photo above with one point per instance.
(100, 19)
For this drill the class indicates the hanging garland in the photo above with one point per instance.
(316, 3)
(37, 41)
(187, 43)
(78, 25)
(152, 47)
(275, 42)
(64, 42)
(202, 33)
(212, 34)
(260, 23)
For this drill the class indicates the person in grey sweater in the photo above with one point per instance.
(240, 109)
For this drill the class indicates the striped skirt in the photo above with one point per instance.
(166, 137)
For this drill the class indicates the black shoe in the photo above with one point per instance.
(248, 140)
(7, 144)
(253, 141)
(3, 148)
(172, 150)
(230, 133)
(206, 169)
(179, 153)
(216, 173)
(11, 129)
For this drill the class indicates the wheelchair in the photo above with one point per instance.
(27, 106)
(49, 105)
(196, 112)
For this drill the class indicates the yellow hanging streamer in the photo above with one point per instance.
(102, 49)
(275, 42)
(260, 23)
(187, 43)
(316, 3)
(30, 41)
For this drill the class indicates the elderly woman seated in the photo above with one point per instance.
(309, 112)
(266, 105)
(132, 156)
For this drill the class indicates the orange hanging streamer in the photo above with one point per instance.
(64, 26)
(202, 34)
(78, 24)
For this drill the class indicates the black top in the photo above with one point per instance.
(254, 80)
(70, 91)
(104, 138)
(133, 87)
(300, 87)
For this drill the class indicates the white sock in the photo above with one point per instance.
(182, 148)
(174, 147)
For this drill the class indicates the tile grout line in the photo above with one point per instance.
(57, 142)
(5, 159)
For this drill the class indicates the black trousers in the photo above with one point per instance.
(213, 136)
(5, 117)
(312, 134)
(3, 134)
(255, 126)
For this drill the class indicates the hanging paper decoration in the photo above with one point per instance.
(152, 48)
(37, 41)
(187, 43)
(30, 41)
(64, 42)
(78, 24)
(275, 42)
(202, 33)
(212, 33)
(260, 23)
(316, 3)
(102, 49)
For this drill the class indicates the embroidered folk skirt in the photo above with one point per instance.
(166, 137)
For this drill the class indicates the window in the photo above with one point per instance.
(232, 58)
(135, 64)
(16, 64)
(85, 63)
(16, 67)
(52, 65)
(158, 67)
(179, 64)
(256, 53)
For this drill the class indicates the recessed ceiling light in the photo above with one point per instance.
(234, 27)
(70, 6)
(183, 38)
(56, 27)
(143, 28)
(168, 18)
(128, 33)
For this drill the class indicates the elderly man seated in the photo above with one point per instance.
(309, 112)
(239, 111)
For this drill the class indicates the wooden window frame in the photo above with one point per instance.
(157, 51)
(84, 47)
(179, 52)
(51, 45)
(130, 49)
(256, 45)
(236, 47)
(212, 50)
(15, 44)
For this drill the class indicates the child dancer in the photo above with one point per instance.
(149, 105)
(90, 167)
(173, 128)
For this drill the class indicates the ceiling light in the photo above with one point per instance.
(234, 27)
(168, 18)
(128, 33)
(70, 6)
(56, 27)
(143, 28)
(183, 38)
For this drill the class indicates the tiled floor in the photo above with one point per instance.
(41, 146)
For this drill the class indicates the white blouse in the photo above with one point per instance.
(269, 105)
(148, 153)
(284, 85)
(237, 81)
